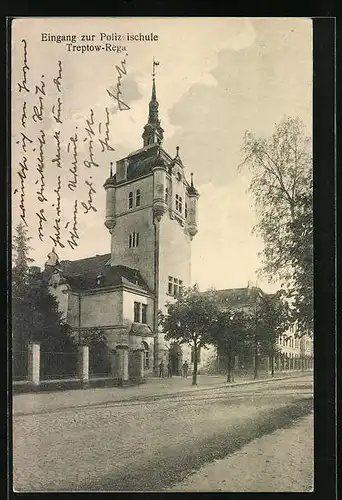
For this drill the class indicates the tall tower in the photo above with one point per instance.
(151, 214)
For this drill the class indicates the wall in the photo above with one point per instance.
(128, 307)
(145, 185)
(73, 311)
(101, 309)
(174, 257)
(141, 257)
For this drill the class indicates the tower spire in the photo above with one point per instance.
(153, 132)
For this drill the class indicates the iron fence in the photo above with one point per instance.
(99, 363)
(20, 365)
(58, 365)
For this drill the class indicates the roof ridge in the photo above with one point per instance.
(86, 258)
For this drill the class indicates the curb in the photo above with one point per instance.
(157, 396)
(209, 387)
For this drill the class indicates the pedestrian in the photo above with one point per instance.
(161, 369)
(185, 369)
(169, 369)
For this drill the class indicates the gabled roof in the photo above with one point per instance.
(72, 267)
(84, 274)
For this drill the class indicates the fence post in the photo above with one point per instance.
(140, 363)
(122, 359)
(83, 363)
(34, 363)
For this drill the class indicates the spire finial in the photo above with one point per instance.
(192, 179)
(155, 63)
(111, 169)
(153, 132)
(177, 149)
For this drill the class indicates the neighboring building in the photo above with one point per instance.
(294, 348)
(291, 348)
(151, 215)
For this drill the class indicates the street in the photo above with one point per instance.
(155, 444)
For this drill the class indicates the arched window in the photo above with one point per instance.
(186, 210)
(130, 200)
(146, 355)
(166, 195)
(137, 198)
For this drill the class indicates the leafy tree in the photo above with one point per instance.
(267, 319)
(35, 315)
(281, 168)
(273, 320)
(21, 259)
(230, 335)
(189, 320)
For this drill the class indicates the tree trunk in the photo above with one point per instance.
(256, 357)
(229, 369)
(256, 361)
(272, 366)
(194, 374)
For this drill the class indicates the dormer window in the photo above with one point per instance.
(130, 200)
(137, 198)
(179, 176)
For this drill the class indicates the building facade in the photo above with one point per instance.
(293, 352)
(151, 216)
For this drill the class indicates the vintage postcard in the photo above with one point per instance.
(162, 275)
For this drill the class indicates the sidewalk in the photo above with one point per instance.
(279, 462)
(31, 403)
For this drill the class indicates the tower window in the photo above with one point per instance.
(170, 288)
(144, 313)
(133, 240)
(137, 198)
(175, 286)
(166, 195)
(179, 203)
(186, 210)
(140, 312)
(137, 307)
(130, 200)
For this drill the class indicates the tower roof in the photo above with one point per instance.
(153, 132)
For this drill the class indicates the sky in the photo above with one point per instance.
(217, 78)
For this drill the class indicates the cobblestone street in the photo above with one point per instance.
(147, 445)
